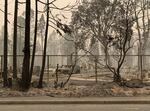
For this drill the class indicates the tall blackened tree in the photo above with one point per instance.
(26, 61)
(15, 41)
(5, 68)
(35, 38)
(40, 85)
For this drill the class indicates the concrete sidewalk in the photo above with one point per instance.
(90, 100)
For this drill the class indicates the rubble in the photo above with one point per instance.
(100, 89)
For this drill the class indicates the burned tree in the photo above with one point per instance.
(26, 61)
(5, 68)
(40, 85)
(35, 39)
(108, 23)
(15, 41)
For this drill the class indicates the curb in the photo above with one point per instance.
(27, 102)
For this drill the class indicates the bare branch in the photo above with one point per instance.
(46, 3)
(65, 8)
(2, 11)
(53, 27)
(43, 11)
(20, 26)
(21, 2)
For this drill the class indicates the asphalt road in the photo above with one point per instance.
(131, 107)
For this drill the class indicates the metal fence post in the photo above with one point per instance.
(1, 65)
(47, 68)
(96, 69)
(142, 76)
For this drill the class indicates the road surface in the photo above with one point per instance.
(102, 107)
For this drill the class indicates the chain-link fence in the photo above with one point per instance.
(87, 66)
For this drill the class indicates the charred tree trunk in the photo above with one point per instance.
(26, 61)
(40, 85)
(35, 38)
(15, 41)
(117, 78)
(5, 68)
(140, 43)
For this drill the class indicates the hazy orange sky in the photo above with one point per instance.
(59, 3)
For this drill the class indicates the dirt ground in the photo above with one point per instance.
(80, 88)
